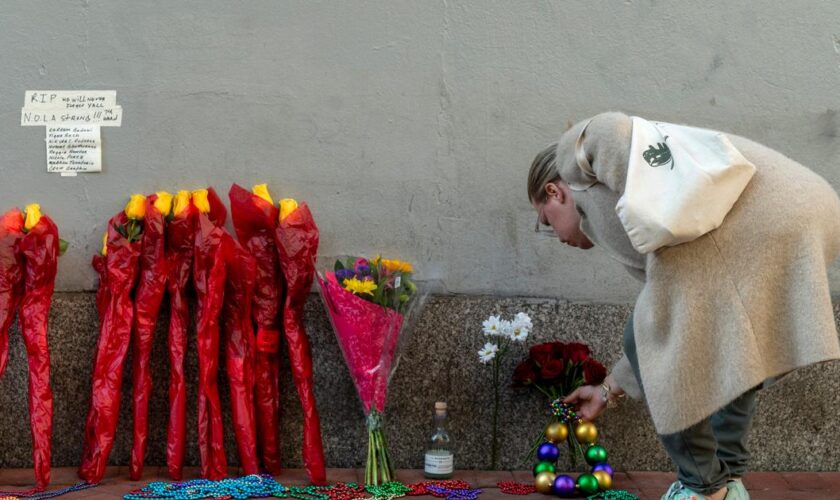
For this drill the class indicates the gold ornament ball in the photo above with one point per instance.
(586, 432)
(557, 432)
(544, 482)
(604, 480)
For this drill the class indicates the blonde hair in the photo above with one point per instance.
(543, 171)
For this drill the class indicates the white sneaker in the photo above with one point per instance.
(736, 491)
(679, 491)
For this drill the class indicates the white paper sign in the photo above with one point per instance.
(75, 107)
(72, 149)
(73, 119)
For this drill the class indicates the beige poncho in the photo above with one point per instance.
(723, 313)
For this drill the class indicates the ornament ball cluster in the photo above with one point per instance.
(546, 479)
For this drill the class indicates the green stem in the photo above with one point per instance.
(368, 473)
(494, 450)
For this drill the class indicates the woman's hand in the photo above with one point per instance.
(589, 402)
(590, 398)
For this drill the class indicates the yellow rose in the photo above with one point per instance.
(287, 206)
(163, 203)
(182, 201)
(261, 190)
(136, 208)
(199, 198)
(105, 243)
(33, 215)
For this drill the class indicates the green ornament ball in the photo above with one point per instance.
(544, 467)
(587, 483)
(596, 454)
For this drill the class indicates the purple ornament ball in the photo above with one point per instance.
(604, 467)
(548, 452)
(564, 486)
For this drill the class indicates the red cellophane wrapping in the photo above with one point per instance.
(40, 248)
(11, 277)
(180, 243)
(239, 350)
(120, 267)
(209, 270)
(297, 243)
(255, 220)
(147, 299)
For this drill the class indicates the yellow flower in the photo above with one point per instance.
(182, 201)
(287, 206)
(199, 198)
(359, 287)
(33, 215)
(163, 203)
(105, 243)
(261, 190)
(397, 265)
(136, 208)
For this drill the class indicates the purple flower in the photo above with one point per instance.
(362, 267)
(343, 274)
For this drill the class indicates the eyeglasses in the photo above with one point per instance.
(542, 229)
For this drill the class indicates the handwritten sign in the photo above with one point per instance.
(73, 119)
(71, 107)
(72, 149)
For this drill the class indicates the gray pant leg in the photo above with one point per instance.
(693, 450)
(731, 425)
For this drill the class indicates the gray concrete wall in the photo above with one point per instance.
(796, 424)
(408, 125)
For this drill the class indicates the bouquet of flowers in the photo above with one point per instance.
(254, 218)
(180, 247)
(29, 250)
(297, 245)
(213, 250)
(369, 303)
(147, 300)
(556, 369)
(117, 266)
(507, 333)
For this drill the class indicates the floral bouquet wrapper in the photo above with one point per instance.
(369, 304)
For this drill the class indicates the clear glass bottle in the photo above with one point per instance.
(440, 461)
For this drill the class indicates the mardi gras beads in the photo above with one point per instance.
(391, 489)
(586, 433)
(43, 495)
(454, 493)
(418, 489)
(514, 488)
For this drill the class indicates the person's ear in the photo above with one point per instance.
(555, 191)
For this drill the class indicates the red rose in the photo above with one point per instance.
(593, 372)
(551, 370)
(558, 348)
(542, 353)
(575, 352)
(525, 373)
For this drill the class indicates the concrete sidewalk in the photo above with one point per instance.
(647, 485)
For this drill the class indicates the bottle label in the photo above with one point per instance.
(439, 463)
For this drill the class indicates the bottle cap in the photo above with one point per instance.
(440, 405)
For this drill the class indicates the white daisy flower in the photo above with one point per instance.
(519, 334)
(487, 354)
(491, 325)
(506, 329)
(523, 321)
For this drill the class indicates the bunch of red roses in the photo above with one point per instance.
(558, 368)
